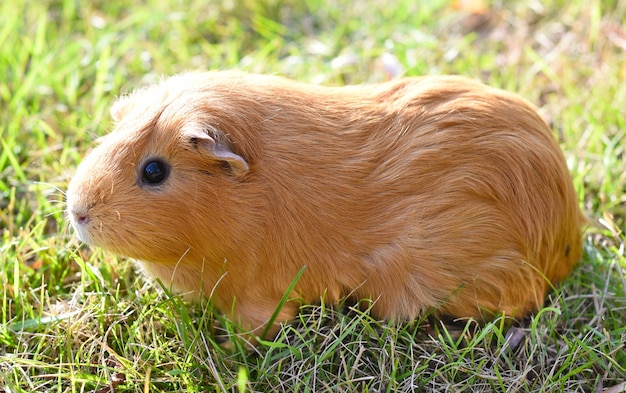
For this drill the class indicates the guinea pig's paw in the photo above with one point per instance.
(225, 341)
(224, 334)
(221, 335)
(230, 337)
(253, 324)
(453, 329)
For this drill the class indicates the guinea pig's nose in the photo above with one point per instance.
(81, 217)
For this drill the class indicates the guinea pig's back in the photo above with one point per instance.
(495, 212)
(431, 192)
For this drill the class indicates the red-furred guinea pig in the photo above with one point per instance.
(435, 194)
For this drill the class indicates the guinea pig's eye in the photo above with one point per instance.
(154, 172)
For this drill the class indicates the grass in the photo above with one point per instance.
(80, 320)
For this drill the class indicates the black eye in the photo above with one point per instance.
(154, 172)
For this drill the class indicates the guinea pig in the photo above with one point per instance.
(435, 195)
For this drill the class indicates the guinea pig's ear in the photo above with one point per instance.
(218, 150)
(120, 108)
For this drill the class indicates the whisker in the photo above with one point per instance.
(51, 185)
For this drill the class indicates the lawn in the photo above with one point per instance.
(75, 319)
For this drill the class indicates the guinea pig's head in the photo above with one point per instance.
(161, 177)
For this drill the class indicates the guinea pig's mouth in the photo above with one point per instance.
(80, 219)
